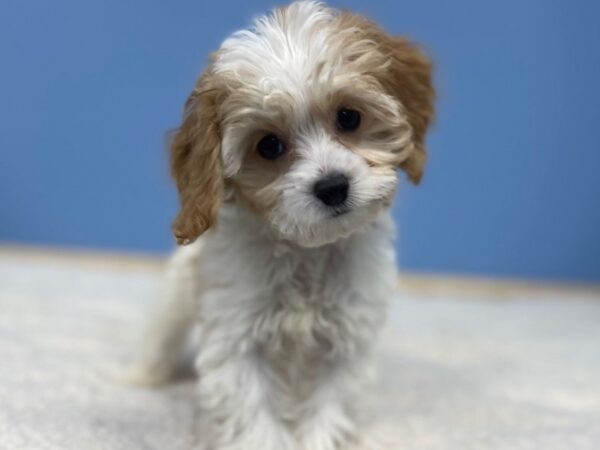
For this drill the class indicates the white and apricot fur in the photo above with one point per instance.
(288, 294)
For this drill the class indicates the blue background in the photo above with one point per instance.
(512, 187)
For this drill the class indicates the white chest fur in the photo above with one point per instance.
(282, 298)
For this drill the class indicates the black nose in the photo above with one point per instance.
(332, 189)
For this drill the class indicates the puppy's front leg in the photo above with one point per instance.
(329, 419)
(236, 402)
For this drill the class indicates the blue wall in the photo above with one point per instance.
(513, 186)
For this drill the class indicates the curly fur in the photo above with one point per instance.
(289, 295)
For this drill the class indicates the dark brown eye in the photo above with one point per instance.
(348, 119)
(270, 147)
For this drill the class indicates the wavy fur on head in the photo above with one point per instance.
(287, 76)
(291, 282)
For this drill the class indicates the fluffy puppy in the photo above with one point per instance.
(286, 163)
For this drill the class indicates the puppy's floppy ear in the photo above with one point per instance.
(407, 77)
(196, 162)
(410, 81)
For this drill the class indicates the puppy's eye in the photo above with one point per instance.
(270, 147)
(348, 119)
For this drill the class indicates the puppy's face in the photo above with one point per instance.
(304, 120)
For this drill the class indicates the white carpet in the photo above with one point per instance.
(456, 374)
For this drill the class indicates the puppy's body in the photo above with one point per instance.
(286, 332)
(289, 152)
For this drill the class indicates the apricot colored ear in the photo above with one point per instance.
(410, 81)
(196, 163)
(407, 76)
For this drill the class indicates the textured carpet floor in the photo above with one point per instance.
(476, 373)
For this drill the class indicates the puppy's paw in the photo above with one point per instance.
(323, 437)
(329, 427)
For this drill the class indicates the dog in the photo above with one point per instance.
(286, 163)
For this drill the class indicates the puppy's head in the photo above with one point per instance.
(304, 120)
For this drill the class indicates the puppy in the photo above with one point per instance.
(286, 164)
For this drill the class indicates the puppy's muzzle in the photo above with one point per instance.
(332, 189)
